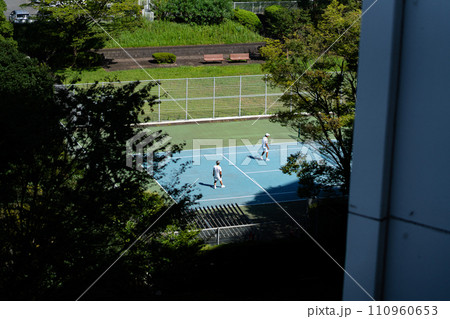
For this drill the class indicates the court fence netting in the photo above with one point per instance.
(211, 97)
(258, 7)
(227, 223)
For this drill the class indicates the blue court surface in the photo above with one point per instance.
(248, 180)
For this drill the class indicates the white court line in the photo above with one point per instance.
(302, 228)
(245, 152)
(246, 196)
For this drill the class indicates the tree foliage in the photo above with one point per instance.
(66, 31)
(316, 8)
(69, 206)
(280, 22)
(6, 28)
(317, 69)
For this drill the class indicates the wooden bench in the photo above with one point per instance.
(239, 57)
(213, 57)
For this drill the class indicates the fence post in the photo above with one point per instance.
(240, 94)
(218, 236)
(265, 94)
(214, 97)
(159, 105)
(187, 95)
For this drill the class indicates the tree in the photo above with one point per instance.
(317, 69)
(281, 22)
(6, 28)
(67, 31)
(316, 8)
(69, 206)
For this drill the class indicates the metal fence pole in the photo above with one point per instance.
(214, 97)
(265, 95)
(218, 236)
(187, 95)
(159, 105)
(240, 94)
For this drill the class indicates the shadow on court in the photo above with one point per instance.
(206, 185)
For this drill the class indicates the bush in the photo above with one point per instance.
(201, 12)
(248, 19)
(278, 21)
(164, 57)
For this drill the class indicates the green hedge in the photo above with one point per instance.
(164, 57)
(248, 19)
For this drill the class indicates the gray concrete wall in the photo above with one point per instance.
(185, 50)
(398, 241)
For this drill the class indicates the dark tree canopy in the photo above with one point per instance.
(69, 206)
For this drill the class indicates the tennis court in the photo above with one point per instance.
(248, 179)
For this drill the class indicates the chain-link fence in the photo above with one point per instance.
(212, 97)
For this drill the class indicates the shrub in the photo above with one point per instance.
(278, 21)
(202, 12)
(164, 57)
(248, 19)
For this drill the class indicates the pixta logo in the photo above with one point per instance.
(147, 151)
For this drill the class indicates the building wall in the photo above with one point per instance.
(398, 244)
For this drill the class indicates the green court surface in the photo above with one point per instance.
(237, 131)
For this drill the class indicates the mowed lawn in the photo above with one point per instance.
(99, 74)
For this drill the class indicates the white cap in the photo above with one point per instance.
(267, 134)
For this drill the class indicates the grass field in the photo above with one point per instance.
(164, 33)
(100, 74)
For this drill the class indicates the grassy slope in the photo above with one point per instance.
(100, 74)
(164, 33)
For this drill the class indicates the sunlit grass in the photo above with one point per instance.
(101, 75)
(164, 33)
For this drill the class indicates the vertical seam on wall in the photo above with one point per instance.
(395, 79)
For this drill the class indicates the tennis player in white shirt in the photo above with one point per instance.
(217, 174)
(265, 146)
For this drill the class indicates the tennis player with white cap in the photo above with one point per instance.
(217, 174)
(265, 146)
